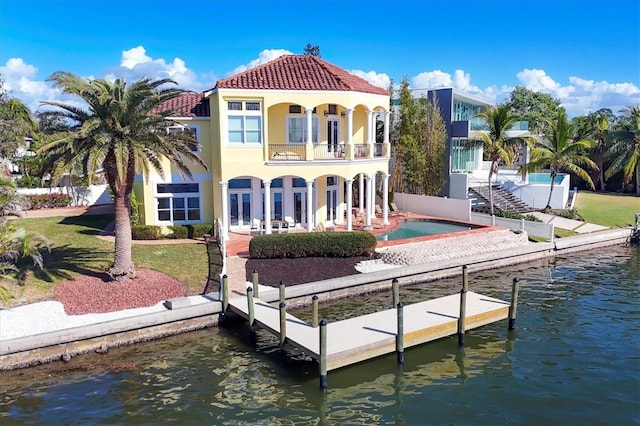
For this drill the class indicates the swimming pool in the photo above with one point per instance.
(545, 178)
(411, 228)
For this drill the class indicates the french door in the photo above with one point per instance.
(240, 209)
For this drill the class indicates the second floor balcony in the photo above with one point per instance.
(324, 152)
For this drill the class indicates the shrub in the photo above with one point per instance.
(518, 216)
(28, 182)
(146, 232)
(48, 201)
(190, 231)
(315, 244)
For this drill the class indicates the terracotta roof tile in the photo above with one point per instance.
(299, 72)
(186, 105)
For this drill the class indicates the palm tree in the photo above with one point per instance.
(562, 153)
(626, 148)
(121, 131)
(595, 126)
(16, 123)
(15, 243)
(497, 145)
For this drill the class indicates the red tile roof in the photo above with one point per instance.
(299, 72)
(186, 105)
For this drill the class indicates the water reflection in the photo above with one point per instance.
(573, 359)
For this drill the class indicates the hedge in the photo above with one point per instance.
(146, 232)
(314, 244)
(48, 201)
(190, 231)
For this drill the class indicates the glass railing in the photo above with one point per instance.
(478, 124)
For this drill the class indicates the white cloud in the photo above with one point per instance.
(263, 57)
(375, 78)
(135, 64)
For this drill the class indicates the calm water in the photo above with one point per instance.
(574, 359)
(420, 227)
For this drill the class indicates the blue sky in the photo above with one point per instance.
(585, 53)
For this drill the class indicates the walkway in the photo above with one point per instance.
(577, 226)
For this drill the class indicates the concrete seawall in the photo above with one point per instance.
(64, 344)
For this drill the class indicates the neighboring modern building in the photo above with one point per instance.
(290, 143)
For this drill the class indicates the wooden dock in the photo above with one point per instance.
(365, 337)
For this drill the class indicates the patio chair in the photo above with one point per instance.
(379, 211)
(396, 211)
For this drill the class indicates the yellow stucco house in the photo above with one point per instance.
(289, 144)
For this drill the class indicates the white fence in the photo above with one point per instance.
(80, 196)
(434, 206)
(534, 229)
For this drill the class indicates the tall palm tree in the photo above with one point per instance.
(626, 148)
(595, 126)
(560, 152)
(121, 131)
(16, 123)
(497, 145)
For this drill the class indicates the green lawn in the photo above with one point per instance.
(612, 210)
(75, 250)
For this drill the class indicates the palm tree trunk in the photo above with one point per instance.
(122, 269)
(553, 181)
(638, 179)
(491, 190)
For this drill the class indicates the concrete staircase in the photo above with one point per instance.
(502, 201)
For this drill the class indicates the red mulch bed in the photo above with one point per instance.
(88, 294)
(301, 270)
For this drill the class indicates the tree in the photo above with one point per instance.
(121, 130)
(595, 126)
(626, 147)
(561, 152)
(15, 243)
(535, 107)
(420, 145)
(16, 123)
(313, 50)
(497, 145)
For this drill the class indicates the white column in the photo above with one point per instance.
(386, 126)
(361, 191)
(309, 112)
(349, 183)
(368, 201)
(370, 139)
(309, 205)
(372, 198)
(349, 126)
(225, 208)
(267, 206)
(385, 199)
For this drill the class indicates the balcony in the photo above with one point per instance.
(324, 152)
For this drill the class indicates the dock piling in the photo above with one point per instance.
(400, 333)
(281, 292)
(225, 293)
(251, 314)
(463, 306)
(255, 281)
(395, 290)
(514, 303)
(323, 354)
(283, 324)
(314, 319)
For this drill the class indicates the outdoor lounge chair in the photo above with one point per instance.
(396, 211)
(379, 211)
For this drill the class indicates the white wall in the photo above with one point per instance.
(536, 195)
(535, 229)
(458, 184)
(434, 206)
(93, 195)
